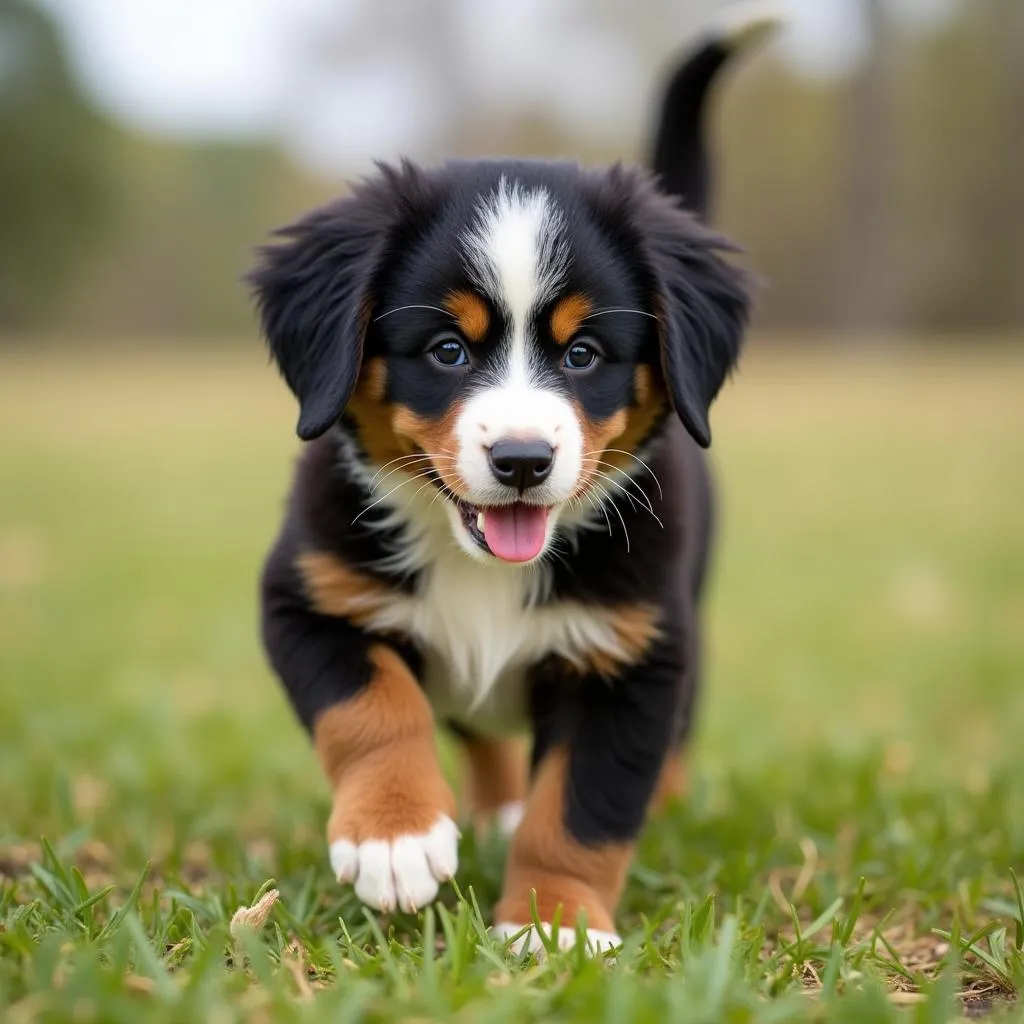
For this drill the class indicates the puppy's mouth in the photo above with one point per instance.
(513, 533)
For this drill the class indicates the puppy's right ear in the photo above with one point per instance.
(315, 291)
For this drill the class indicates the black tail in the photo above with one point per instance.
(680, 155)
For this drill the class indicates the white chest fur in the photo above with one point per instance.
(482, 625)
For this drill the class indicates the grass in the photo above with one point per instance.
(857, 815)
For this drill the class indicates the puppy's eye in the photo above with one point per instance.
(449, 351)
(580, 356)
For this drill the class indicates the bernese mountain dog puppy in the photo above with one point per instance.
(500, 522)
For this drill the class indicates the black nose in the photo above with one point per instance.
(521, 464)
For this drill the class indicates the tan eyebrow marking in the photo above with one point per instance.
(567, 316)
(470, 312)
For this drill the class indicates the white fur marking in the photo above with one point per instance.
(480, 624)
(405, 872)
(509, 816)
(518, 255)
(597, 941)
(527, 413)
(481, 621)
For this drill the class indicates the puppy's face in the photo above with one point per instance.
(509, 332)
(510, 338)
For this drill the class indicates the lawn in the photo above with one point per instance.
(857, 814)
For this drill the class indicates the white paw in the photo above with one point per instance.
(509, 816)
(597, 940)
(404, 872)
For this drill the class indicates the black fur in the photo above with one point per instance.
(704, 303)
(680, 154)
(314, 290)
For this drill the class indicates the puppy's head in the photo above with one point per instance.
(508, 332)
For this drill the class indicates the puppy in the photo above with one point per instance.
(501, 519)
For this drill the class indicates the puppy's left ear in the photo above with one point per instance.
(314, 291)
(703, 304)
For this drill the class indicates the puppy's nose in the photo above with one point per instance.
(521, 464)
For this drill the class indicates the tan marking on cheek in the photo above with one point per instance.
(648, 408)
(335, 588)
(643, 385)
(567, 316)
(435, 437)
(626, 430)
(470, 312)
(496, 772)
(378, 750)
(375, 379)
(598, 435)
(544, 857)
(673, 783)
(636, 627)
(372, 415)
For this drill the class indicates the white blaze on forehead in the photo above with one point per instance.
(518, 255)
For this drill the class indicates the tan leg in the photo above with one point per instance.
(545, 858)
(391, 831)
(673, 783)
(495, 771)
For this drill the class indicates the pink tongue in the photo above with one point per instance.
(515, 533)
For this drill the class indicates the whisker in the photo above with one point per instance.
(629, 497)
(439, 494)
(646, 507)
(600, 475)
(421, 471)
(374, 483)
(374, 504)
(407, 460)
(602, 312)
(600, 508)
(421, 487)
(414, 305)
(620, 451)
(615, 508)
(641, 493)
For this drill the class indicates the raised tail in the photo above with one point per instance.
(680, 155)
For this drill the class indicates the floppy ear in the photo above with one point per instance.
(702, 302)
(314, 291)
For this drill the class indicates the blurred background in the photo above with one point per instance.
(869, 585)
(871, 162)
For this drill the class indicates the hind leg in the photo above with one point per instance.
(495, 773)
(673, 782)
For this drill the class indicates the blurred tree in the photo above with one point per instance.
(865, 286)
(54, 193)
(189, 217)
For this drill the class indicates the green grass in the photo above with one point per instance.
(858, 799)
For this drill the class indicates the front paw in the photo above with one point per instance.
(392, 831)
(404, 871)
(596, 940)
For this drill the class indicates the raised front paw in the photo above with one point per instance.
(403, 871)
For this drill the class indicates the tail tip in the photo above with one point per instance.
(750, 23)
